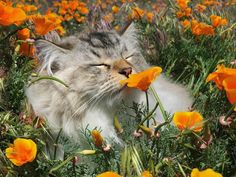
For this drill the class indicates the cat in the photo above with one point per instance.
(92, 65)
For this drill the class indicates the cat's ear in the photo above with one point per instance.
(52, 57)
(129, 37)
(128, 30)
(52, 36)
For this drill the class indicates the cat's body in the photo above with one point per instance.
(92, 65)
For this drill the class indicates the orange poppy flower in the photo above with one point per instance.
(143, 79)
(27, 50)
(180, 14)
(200, 7)
(10, 15)
(205, 173)
(97, 138)
(115, 9)
(21, 151)
(29, 8)
(83, 10)
(44, 24)
(186, 23)
(109, 174)
(73, 5)
(108, 18)
(199, 28)
(146, 174)
(188, 120)
(188, 12)
(150, 16)
(23, 34)
(218, 21)
(220, 75)
(211, 2)
(183, 4)
(229, 85)
(137, 13)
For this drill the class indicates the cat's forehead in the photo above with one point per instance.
(101, 46)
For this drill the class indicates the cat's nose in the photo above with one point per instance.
(126, 71)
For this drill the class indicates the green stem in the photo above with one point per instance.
(49, 78)
(230, 28)
(160, 105)
(147, 102)
(148, 116)
(11, 33)
(56, 142)
(230, 111)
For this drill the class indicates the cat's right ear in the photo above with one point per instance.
(51, 56)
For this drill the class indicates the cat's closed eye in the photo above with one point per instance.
(100, 65)
(129, 57)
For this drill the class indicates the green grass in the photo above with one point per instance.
(185, 58)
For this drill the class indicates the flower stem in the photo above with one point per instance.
(148, 116)
(230, 111)
(159, 103)
(49, 78)
(147, 102)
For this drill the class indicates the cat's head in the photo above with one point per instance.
(93, 64)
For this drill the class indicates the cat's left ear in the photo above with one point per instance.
(52, 57)
(52, 36)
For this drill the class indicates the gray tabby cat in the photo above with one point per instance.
(92, 65)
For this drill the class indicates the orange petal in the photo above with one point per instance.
(22, 151)
(97, 138)
(146, 174)
(23, 34)
(229, 85)
(205, 173)
(188, 120)
(109, 174)
(143, 79)
(220, 74)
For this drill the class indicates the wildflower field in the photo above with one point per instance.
(192, 42)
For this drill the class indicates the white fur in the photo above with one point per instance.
(91, 99)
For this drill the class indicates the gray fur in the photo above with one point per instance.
(90, 65)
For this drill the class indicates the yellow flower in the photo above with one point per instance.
(109, 174)
(97, 138)
(88, 152)
(143, 79)
(220, 75)
(146, 174)
(21, 151)
(205, 173)
(188, 120)
(115, 9)
(10, 15)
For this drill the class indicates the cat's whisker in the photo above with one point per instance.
(83, 106)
